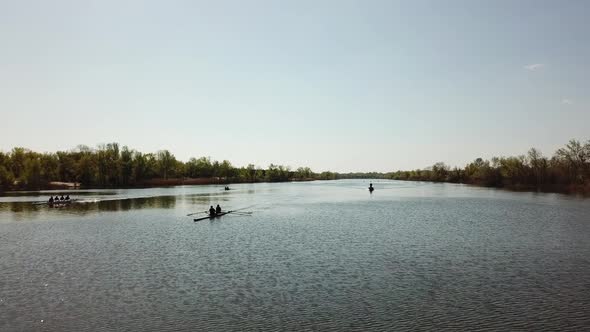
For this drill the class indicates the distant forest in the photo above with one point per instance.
(568, 170)
(110, 165)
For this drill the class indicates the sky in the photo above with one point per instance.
(330, 84)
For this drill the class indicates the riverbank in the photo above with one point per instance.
(583, 190)
(151, 183)
(200, 181)
(567, 189)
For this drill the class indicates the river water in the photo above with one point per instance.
(319, 255)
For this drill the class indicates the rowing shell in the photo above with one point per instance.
(212, 217)
(64, 202)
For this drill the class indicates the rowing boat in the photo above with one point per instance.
(64, 202)
(212, 217)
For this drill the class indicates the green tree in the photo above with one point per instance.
(49, 167)
(126, 164)
(251, 172)
(200, 168)
(439, 172)
(87, 169)
(304, 173)
(226, 170)
(66, 166)
(6, 176)
(538, 165)
(575, 156)
(17, 165)
(166, 163)
(32, 173)
(108, 164)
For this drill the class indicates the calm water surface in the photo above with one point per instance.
(312, 256)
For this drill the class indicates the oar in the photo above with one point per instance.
(241, 213)
(192, 214)
(247, 207)
(232, 211)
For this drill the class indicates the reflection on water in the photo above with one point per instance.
(56, 192)
(23, 210)
(37, 197)
(162, 202)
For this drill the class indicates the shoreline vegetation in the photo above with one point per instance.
(567, 171)
(112, 166)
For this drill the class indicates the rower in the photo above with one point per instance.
(56, 198)
(67, 197)
(50, 199)
(61, 198)
(218, 209)
(371, 187)
(212, 211)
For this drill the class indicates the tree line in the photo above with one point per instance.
(568, 170)
(110, 165)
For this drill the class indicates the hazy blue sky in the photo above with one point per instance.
(339, 85)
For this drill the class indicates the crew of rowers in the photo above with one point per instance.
(214, 211)
(59, 199)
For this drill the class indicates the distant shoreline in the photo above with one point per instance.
(151, 183)
(547, 189)
(112, 166)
